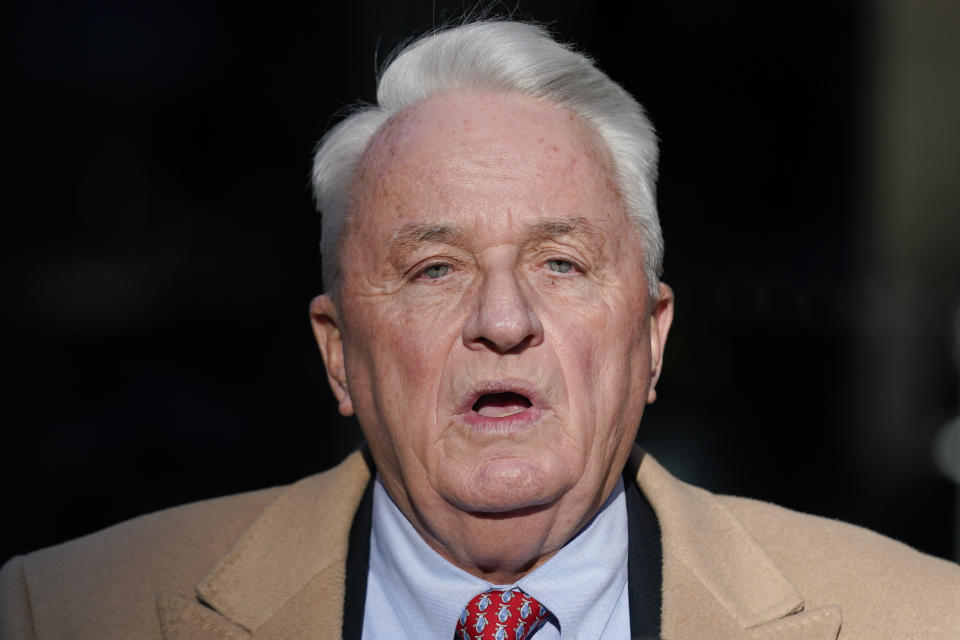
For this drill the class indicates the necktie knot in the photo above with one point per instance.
(500, 614)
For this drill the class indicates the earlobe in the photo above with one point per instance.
(326, 329)
(661, 316)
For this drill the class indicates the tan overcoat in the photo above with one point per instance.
(269, 565)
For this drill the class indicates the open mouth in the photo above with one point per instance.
(501, 405)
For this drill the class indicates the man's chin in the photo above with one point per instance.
(508, 487)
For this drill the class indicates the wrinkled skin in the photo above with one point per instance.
(487, 252)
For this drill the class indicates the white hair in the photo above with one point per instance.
(502, 56)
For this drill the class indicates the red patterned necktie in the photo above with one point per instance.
(500, 614)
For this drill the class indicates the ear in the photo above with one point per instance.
(661, 315)
(326, 329)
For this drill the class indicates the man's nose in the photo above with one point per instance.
(502, 319)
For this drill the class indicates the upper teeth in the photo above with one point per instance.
(500, 412)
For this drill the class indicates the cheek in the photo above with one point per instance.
(602, 351)
(406, 338)
(401, 349)
(390, 361)
(584, 361)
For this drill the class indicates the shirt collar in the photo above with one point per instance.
(580, 584)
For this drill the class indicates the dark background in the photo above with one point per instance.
(160, 247)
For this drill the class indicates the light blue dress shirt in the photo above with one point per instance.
(411, 587)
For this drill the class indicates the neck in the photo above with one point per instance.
(501, 548)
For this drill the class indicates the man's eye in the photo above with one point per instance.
(436, 271)
(560, 266)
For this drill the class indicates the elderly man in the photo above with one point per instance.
(495, 320)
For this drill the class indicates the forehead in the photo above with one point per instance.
(470, 155)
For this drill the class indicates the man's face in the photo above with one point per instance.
(494, 333)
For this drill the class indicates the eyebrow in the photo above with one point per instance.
(558, 227)
(414, 234)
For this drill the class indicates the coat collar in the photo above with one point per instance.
(284, 577)
(283, 580)
(718, 582)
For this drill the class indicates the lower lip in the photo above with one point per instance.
(507, 424)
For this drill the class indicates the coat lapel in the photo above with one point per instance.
(183, 618)
(280, 580)
(718, 582)
(823, 622)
